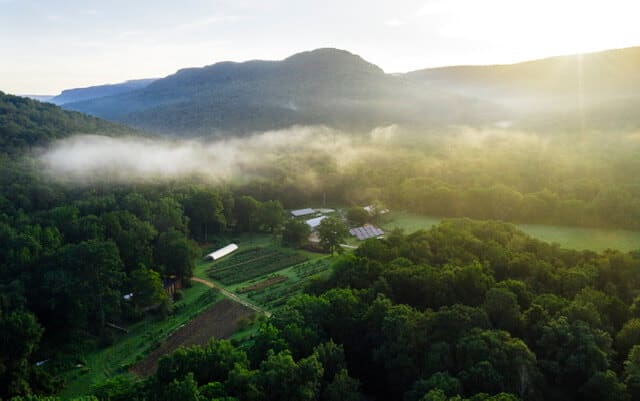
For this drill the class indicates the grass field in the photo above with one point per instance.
(142, 338)
(569, 237)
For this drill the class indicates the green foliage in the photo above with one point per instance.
(332, 232)
(358, 216)
(20, 334)
(176, 254)
(25, 123)
(207, 364)
(295, 233)
(146, 287)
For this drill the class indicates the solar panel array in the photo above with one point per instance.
(366, 232)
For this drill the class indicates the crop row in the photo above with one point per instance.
(259, 266)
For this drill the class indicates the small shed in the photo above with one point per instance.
(222, 252)
(302, 212)
(315, 222)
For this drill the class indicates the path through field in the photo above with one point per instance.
(231, 295)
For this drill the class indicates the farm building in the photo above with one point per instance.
(315, 222)
(222, 252)
(171, 285)
(365, 232)
(302, 212)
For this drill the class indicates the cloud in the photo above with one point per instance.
(394, 22)
(93, 158)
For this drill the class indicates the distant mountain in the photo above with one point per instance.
(324, 86)
(40, 98)
(340, 89)
(601, 86)
(25, 123)
(94, 92)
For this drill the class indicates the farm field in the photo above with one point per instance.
(595, 239)
(219, 321)
(142, 338)
(249, 263)
(266, 274)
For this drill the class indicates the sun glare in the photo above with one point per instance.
(525, 30)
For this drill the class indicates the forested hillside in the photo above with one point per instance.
(324, 86)
(25, 123)
(339, 89)
(467, 310)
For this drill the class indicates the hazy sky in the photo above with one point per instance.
(50, 45)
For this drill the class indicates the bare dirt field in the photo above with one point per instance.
(219, 321)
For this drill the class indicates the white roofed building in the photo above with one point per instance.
(315, 222)
(302, 212)
(365, 232)
(222, 252)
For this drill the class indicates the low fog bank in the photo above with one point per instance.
(92, 158)
(313, 157)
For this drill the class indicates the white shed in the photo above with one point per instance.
(315, 223)
(222, 252)
(302, 212)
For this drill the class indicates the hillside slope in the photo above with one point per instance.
(25, 123)
(603, 86)
(324, 86)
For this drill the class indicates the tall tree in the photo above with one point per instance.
(205, 211)
(246, 211)
(271, 214)
(176, 253)
(332, 232)
(295, 233)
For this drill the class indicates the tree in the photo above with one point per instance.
(604, 386)
(295, 233)
(628, 336)
(132, 236)
(503, 310)
(357, 215)
(632, 373)
(20, 334)
(205, 211)
(87, 286)
(332, 232)
(342, 388)
(146, 287)
(176, 253)
(246, 210)
(271, 214)
(281, 378)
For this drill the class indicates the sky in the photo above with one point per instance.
(50, 45)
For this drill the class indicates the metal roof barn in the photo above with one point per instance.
(222, 252)
(302, 212)
(314, 223)
(366, 232)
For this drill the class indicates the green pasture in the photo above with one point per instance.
(595, 239)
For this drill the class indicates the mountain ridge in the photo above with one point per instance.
(337, 88)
